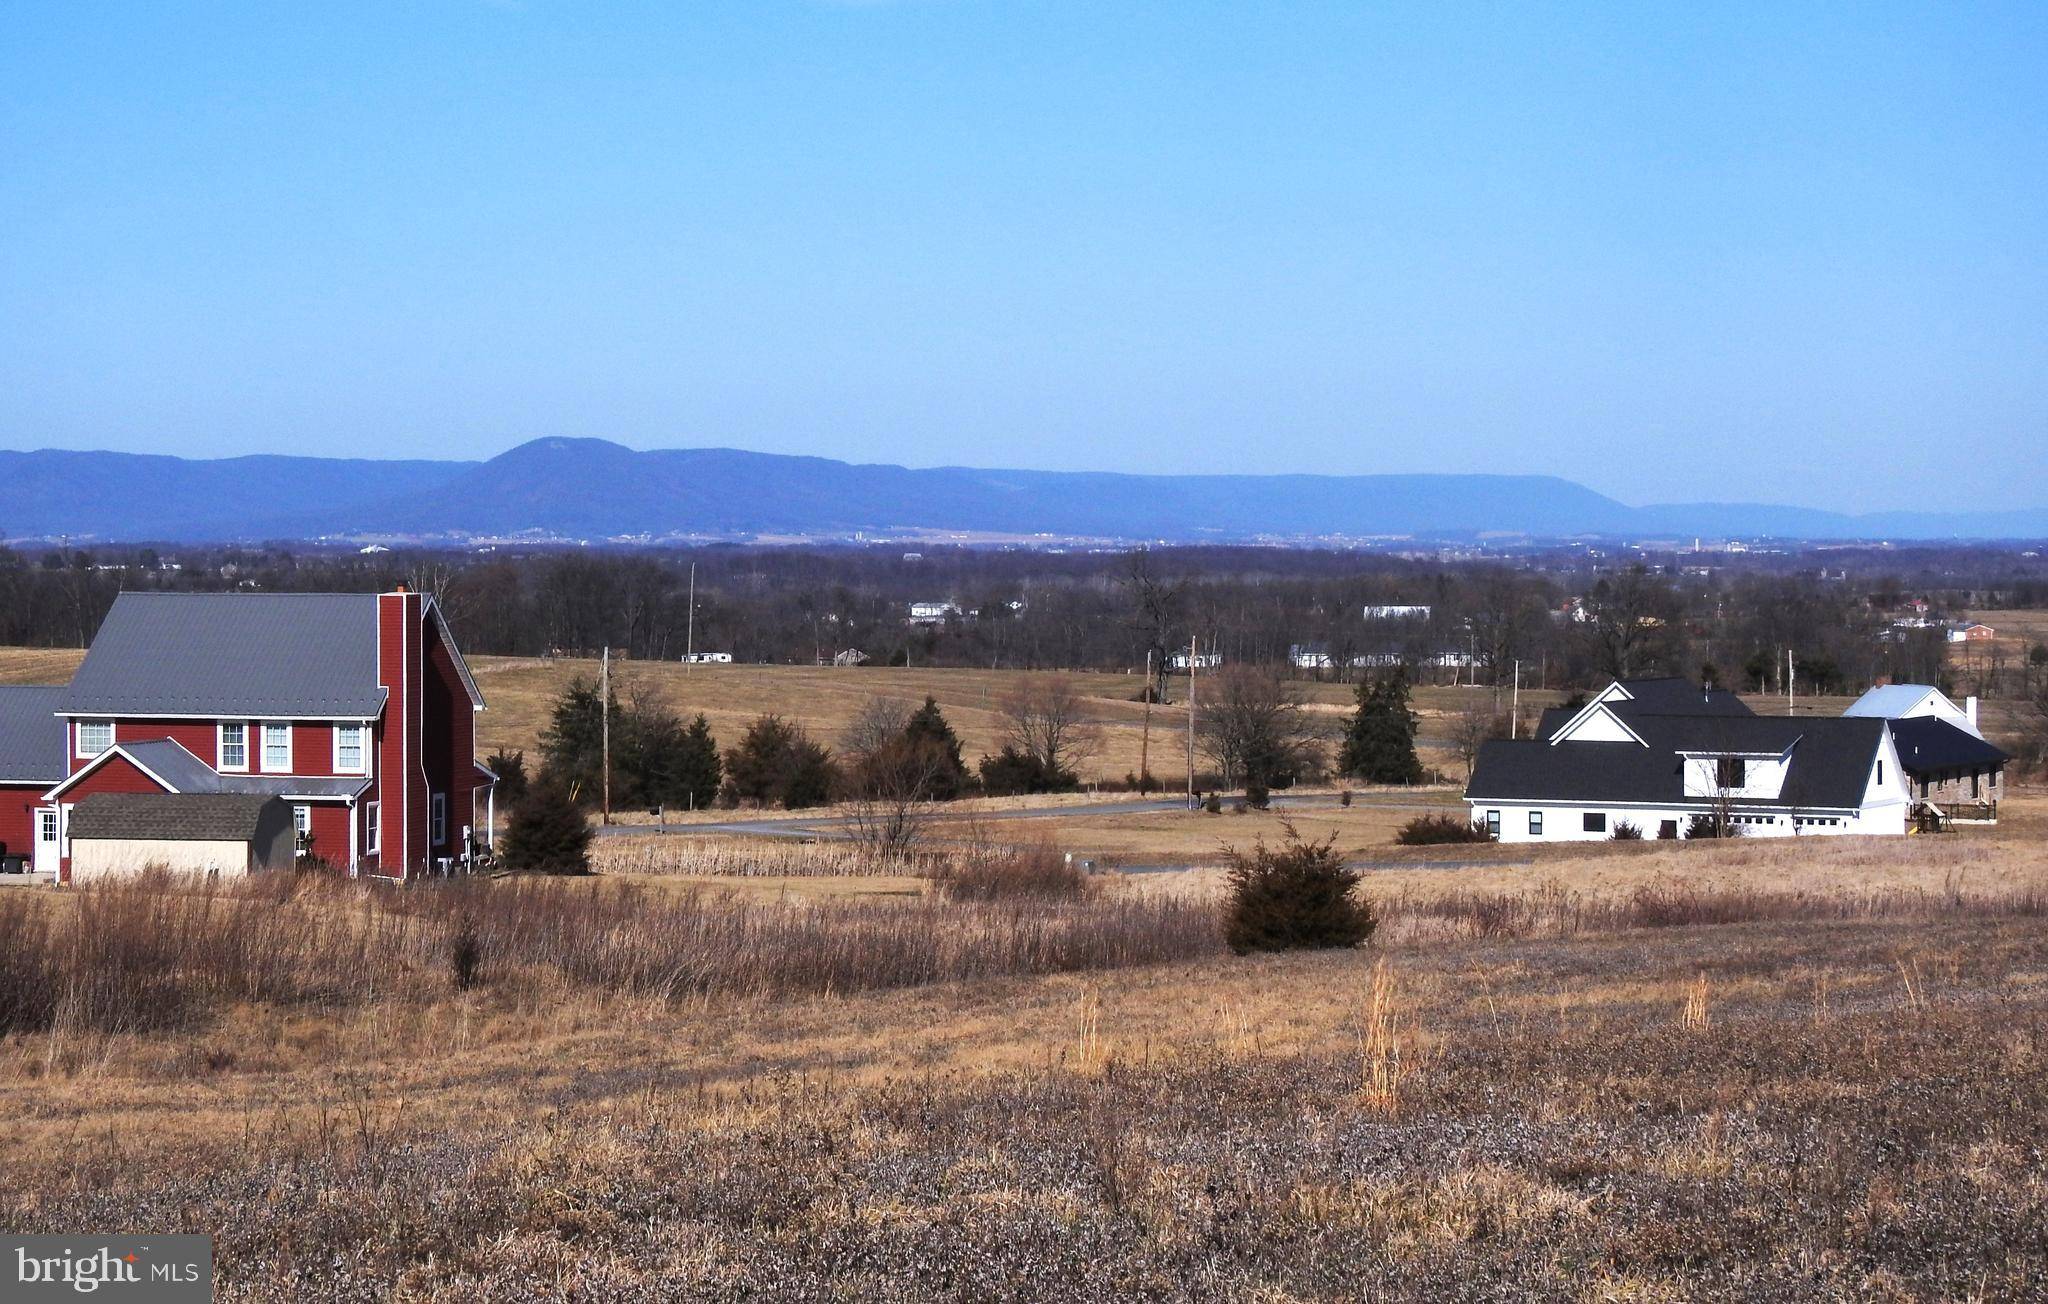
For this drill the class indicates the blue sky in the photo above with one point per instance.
(1788, 253)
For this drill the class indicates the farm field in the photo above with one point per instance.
(1776, 1072)
(825, 699)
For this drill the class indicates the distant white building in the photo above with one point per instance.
(1913, 702)
(1200, 661)
(933, 613)
(1310, 656)
(1396, 613)
(707, 658)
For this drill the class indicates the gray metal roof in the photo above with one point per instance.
(305, 655)
(1929, 746)
(186, 773)
(1829, 765)
(174, 817)
(31, 735)
(1891, 701)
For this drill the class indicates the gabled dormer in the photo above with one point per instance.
(1599, 722)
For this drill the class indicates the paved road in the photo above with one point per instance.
(834, 826)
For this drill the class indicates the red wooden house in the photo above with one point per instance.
(356, 709)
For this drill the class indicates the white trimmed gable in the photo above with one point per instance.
(1595, 723)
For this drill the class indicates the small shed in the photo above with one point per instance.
(194, 833)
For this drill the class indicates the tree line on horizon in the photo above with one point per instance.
(1569, 617)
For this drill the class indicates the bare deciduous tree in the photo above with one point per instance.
(1474, 723)
(1257, 729)
(1155, 604)
(879, 722)
(1045, 718)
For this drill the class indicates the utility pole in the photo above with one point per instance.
(1145, 739)
(604, 691)
(1515, 712)
(1191, 722)
(1789, 673)
(690, 638)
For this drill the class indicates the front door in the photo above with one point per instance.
(46, 841)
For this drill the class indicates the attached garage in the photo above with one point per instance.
(191, 833)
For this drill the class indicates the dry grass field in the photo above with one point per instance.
(1789, 1091)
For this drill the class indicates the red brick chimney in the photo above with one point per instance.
(401, 774)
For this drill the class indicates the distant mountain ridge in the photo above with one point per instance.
(592, 489)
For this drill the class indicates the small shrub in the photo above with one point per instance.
(547, 833)
(1344, 798)
(465, 953)
(1012, 773)
(1625, 832)
(1299, 896)
(1709, 826)
(1213, 804)
(1437, 830)
(1037, 872)
(1667, 831)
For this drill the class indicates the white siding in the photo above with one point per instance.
(103, 857)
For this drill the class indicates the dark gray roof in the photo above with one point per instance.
(31, 735)
(175, 817)
(1677, 697)
(186, 773)
(246, 654)
(1930, 745)
(1830, 766)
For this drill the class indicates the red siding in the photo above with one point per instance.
(18, 818)
(449, 738)
(402, 780)
(195, 736)
(116, 775)
(330, 832)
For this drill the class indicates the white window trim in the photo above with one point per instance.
(437, 819)
(373, 827)
(220, 746)
(362, 765)
(263, 743)
(78, 738)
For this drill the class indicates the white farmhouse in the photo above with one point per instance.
(1657, 753)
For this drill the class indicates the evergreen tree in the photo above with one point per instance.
(930, 738)
(572, 746)
(776, 763)
(510, 767)
(647, 744)
(698, 771)
(548, 833)
(1379, 743)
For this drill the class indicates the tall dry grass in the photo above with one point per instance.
(696, 857)
(156, 951)
(1553, 911)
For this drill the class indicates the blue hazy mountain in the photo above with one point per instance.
(594, 489)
